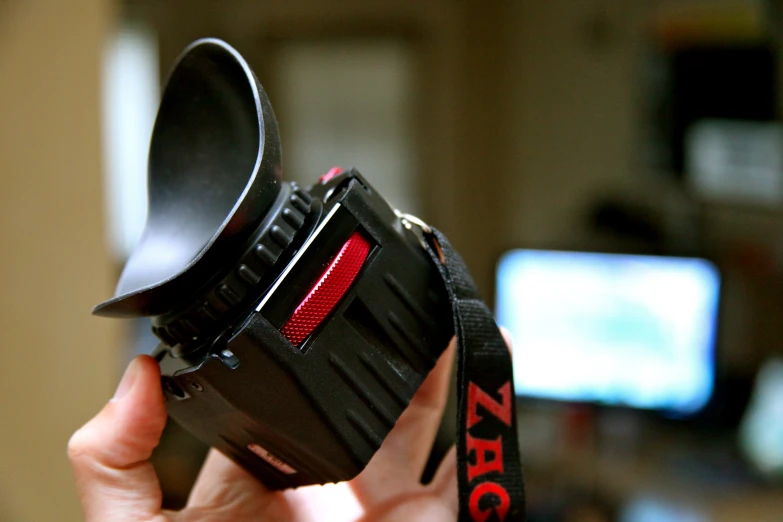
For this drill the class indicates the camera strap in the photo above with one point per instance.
(489, 470)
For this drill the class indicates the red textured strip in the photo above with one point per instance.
(327, 292)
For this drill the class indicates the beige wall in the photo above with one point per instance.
(58, 363)
(574, 113)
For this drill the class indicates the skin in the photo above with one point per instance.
(110, 460)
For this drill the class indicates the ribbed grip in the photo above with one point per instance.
(209, 311)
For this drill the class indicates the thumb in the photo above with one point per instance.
(110, 453)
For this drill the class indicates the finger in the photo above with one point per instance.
(222, 482)
(444, 483)
(507, 337)
(109, 455)
(225, 489)
(398, 464)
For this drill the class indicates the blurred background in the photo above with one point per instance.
(639, 127)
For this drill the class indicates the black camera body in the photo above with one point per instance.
(296, 324)
(318, 411)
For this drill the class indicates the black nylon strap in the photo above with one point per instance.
(490, 482)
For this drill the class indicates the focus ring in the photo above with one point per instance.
(208, 313)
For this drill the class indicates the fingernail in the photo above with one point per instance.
(127, 381)
(506, 333)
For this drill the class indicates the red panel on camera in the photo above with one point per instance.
(328, 290)
(329, 175)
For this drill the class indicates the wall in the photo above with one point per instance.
(573, 113)
(59, 363)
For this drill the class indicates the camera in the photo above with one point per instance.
(296, 323)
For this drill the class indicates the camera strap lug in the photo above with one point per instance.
(420, 230)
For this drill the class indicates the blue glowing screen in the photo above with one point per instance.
(627, 330)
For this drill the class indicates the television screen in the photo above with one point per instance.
(615, 329)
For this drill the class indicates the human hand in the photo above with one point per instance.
(116, 481)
